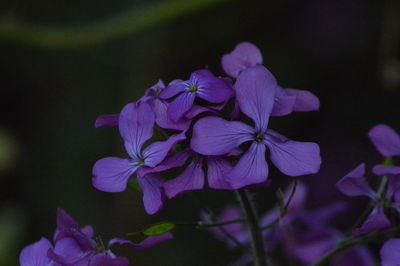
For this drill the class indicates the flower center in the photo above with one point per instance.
(192, 88)
(140, 162)
(259, 136)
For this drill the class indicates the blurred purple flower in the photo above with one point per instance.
(385, 140)
(255, 90)
(111, 174)
(247, 55)
(355, 184)
(76, 246)
(202, 84)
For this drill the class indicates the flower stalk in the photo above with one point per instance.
(255, 232)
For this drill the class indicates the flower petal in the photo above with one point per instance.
(173, 89)
(218, 167)
(65, 221)
(36, 254)
(284, 103)
(67, 251)
(244, 55)
(305, 100)
(136, 123)
(293, 158)
(355, 184)
(376, 221)
(211, 88)
(156, 152)
(173, 161)
(104, 259)
(106, 121)
(358, 255)
(191, 179)
(216, 136)
(148, 242)
(251, 168)
(381, 169)
(163, 120)
(385, 139)
(390, 252)
(111, 174)
(153, 194)
(255, 92)
(180, 105)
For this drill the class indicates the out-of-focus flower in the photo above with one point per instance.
(77, 246)
(390, 252)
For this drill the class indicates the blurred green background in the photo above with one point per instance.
(63, 63)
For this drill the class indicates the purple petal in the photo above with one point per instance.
(36, 254)
(180, 105)
(163, 120)
(376, 221)
(216, 136)
(390, 252)
(173, 161)
(283, 103)
(153, 194)
(251, 168)
(148, 242)
(88, 231)
(359, 256)
(355, 184)
(244, 55)
(104, 259)
(196, 110)
(156, 152)
(65, 221)
(173, 89)
(293, 158)
(211, 88)
(106, 120)
(305, 100)
(155, 90)
(255, 92)
(191, 179)
(67, 251)
(111, 174)
(381, 169)
(218, 167)
(385, 139)
(136, 123)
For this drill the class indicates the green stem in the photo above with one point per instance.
(353, 241)
(257, 243)
(103, 31)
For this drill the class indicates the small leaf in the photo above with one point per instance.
(135, 185)
(159, 229)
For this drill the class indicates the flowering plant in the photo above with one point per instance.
(216, 129)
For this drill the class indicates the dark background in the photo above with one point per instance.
(344, 51)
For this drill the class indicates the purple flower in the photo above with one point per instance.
(355, 184)
(202, 84)
(76, 246)
(247, 55)
(255, 90)
(390, 252)
(111, 174)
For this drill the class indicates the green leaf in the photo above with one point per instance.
(159, 229)
(135, 185)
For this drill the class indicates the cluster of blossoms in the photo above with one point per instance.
(385, 200)
(215, 129)
(230, 148)
(75, 246)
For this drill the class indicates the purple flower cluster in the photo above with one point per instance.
(230, 153)
(386, 199)
(77, 246)
(301, 234)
